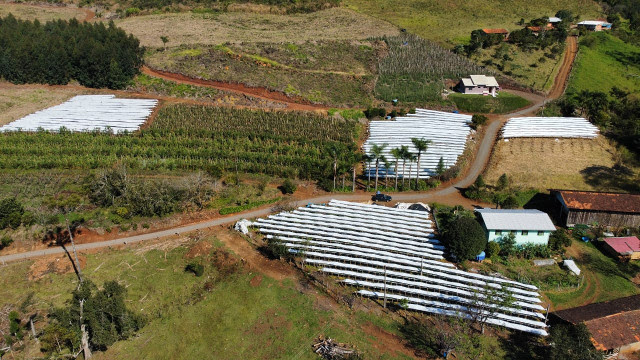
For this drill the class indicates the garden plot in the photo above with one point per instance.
(448, 133)
(549, 127)
(88, 113)
(394, 253)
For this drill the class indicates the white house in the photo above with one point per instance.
(479, 84)
(594, 25)
(528, 226)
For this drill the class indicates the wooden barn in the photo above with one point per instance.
(614, 325)
(587, 207)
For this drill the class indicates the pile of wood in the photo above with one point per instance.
(330, 349)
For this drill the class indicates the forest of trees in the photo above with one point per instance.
(95, 55)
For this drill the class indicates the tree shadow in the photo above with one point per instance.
(616, 177)
(519, 345)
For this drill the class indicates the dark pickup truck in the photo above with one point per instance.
(381, 197)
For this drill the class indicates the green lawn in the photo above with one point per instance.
(237, 319)
(452, 21)
(605, 61)
(504, 102)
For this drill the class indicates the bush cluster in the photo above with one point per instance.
(96, 55)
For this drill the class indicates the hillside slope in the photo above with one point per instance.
(447, 20)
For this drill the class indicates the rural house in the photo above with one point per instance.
(594, 25)
(479, 84)
(587, 207)
(502, 32)
(528, 226)
(553, 20)
(625, 248)
(614, 325)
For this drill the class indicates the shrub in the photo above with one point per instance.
(493, 248)
(196, 268)
(5, 241)
(465, 238)
(507, 245)
(511, 202)
(503, 182)
(288, 187)
(11, 212)
(478, 120)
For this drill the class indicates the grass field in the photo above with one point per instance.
(222, 315)
(615, 62)
(19, 101)
(237, 27)
(452, 21)
(579, 164)
(504, 102)
(530, 68)
(329, 72)
(42, 13)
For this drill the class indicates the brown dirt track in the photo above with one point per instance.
(559, 84)
(292, 103)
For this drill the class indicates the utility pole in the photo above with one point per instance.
(546, 316)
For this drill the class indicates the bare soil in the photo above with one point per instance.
(560, 82)
(201, 248)
(56, 264)
(387, 342)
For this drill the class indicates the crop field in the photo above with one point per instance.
(504, 102)
(185, 137)
(581, 164)
(42, 13)
(18, 101)
(237, 27)
(330, 72)
(231, 312)
(445, 21)
(413, 69)
(617, 64)
(530, 68)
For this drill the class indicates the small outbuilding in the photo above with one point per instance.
(479, 84)
(527, 225)
(614, 325)
(594, 25)
(502, 32)
(625, 248)
(587, 207)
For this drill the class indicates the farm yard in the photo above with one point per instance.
(402, 262)
(581, 164)
(19, 101)
(88, 113)
(43, 13)
(191, 138)
(447, 132)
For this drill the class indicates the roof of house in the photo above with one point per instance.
(624, 245)
(600, 201)
(593, 22)
(538, 28)
(495, 31)
(480, 80)
(502, 219)
(612, 323)
(554, 19)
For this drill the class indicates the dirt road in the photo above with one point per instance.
(560, 82)
(257, 92)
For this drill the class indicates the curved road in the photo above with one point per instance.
(478, 165)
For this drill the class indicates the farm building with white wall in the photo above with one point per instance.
(528, 226)
(479, 84)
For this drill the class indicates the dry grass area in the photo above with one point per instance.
(580, 164)
(236, 27)
(42, 13)
(17, 101)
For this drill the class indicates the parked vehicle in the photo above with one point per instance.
(381, 197)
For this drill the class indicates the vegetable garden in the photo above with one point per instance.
(288, 144)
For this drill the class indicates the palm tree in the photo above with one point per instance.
(421, 145)
(387, 166)
(397, 155)
(376, 154)
(404, 151)
(367, 159)
(411, 157)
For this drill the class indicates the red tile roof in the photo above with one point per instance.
(598, 201)
(624, 245)
(495, 31)
(611, 323)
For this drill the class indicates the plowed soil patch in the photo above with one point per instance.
(54, 265)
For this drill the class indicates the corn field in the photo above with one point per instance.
(184, 137)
